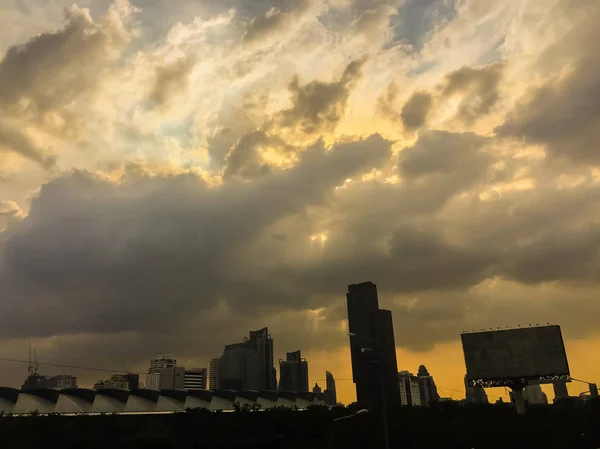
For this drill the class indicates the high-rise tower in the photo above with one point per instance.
(372, 344)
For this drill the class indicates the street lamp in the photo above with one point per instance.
(386, 437)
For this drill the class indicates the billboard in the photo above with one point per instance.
(526, 353)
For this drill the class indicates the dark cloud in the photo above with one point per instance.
(171, 80)
(12, 139)
(319, 106)
(479, 88)
(415, 110)
(91, 253)
(52, 70)
(276, 19)
(445, 153)
(373, 21)
(73, 55)
(564, 115)
(418, 19)
(245, 159)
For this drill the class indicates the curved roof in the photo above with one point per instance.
(306, 395)
(269, 394)
(115, 393)
(205, 395)
(9, 394)
(47, 394)
(150, 395)
(86, 394)
(226, 394)
(289, 395)
(251, 395)
(178, 395)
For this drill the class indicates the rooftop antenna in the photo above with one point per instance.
(35, 363)
(30, 366)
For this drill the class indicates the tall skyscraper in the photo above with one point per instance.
(214, 374)
(429, 393)
(475, 395)
(410, 391)
(164, 374)
(293, 373)
(372, 343)
(195, 379)
(249, 365)
(330, 394)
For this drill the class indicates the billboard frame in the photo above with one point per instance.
(518, 382)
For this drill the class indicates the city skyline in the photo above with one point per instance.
(198, 168)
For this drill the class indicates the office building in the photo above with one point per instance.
(293, 373)
(410, 391)
(475, 395)
(36, 381)
(249, 365)
(372, 348)
(164, 374)
(429, 393)
(330, 395)
(195, 379)
(63, 381)
(214, 374)
(121, 381)
(534, 395)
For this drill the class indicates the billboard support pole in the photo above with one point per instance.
(519, 399)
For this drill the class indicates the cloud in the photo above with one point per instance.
(9, 211)
(11, 139)
(75, 57)
(479, 89)
(319, 106)
(563, 114)
(171, 80)
(89, 251)
(372, 21)
(415, 110)
(444, 153)
(276, 20)
(246, 159)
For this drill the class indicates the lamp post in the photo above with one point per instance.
(386, 437)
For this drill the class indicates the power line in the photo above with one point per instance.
(58, 365)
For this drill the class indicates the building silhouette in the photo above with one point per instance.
(533, 394)
(249, 365)
(37, 381)
(164, 374)
(476, 394)
(330, 395)
(560, 390)
(317, 391)
(214, 374)
(410, 390)
(293, 373)
(429, 393)
(372, 348)
(122, 381)
(195, 379)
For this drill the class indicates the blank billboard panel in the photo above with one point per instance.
(516, 353)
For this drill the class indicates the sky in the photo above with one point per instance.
(174, 174)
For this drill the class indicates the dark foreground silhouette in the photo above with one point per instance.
(444, 425)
